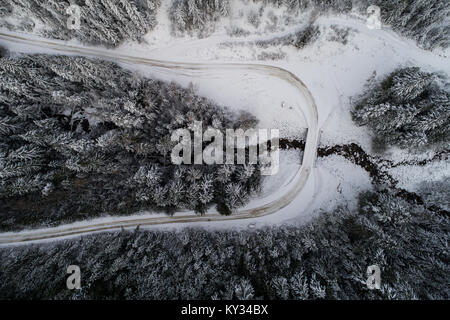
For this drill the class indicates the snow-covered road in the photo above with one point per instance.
(308, 110)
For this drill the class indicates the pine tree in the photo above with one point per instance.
(299, 286)
(244, 290)
(408, 109)
(409, 84)
(281, 288)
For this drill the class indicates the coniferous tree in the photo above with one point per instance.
(409, 109)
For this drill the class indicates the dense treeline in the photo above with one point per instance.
(105, 22)
(428, 22)
(324, 259)
(82, 137)
(110, 22)
(425, 21)
(409, 109)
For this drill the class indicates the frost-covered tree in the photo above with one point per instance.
(327, 258)
(409, 83)
(410, 109)
(299, 286)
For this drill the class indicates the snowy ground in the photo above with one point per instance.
(410, 176)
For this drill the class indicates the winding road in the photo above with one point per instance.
(192, 70)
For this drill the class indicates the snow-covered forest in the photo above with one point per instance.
(105, 22)
(86, 170)
(410, 109)
(86, 136)
(325, 259)
(425, 21)
(110, 22)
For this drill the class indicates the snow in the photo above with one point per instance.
(410, 176)
(290, 162)
(340, 182)
(244, 90)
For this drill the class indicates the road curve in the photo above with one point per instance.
(186, 69)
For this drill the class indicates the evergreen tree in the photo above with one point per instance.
(325, 259)
(409, 109)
